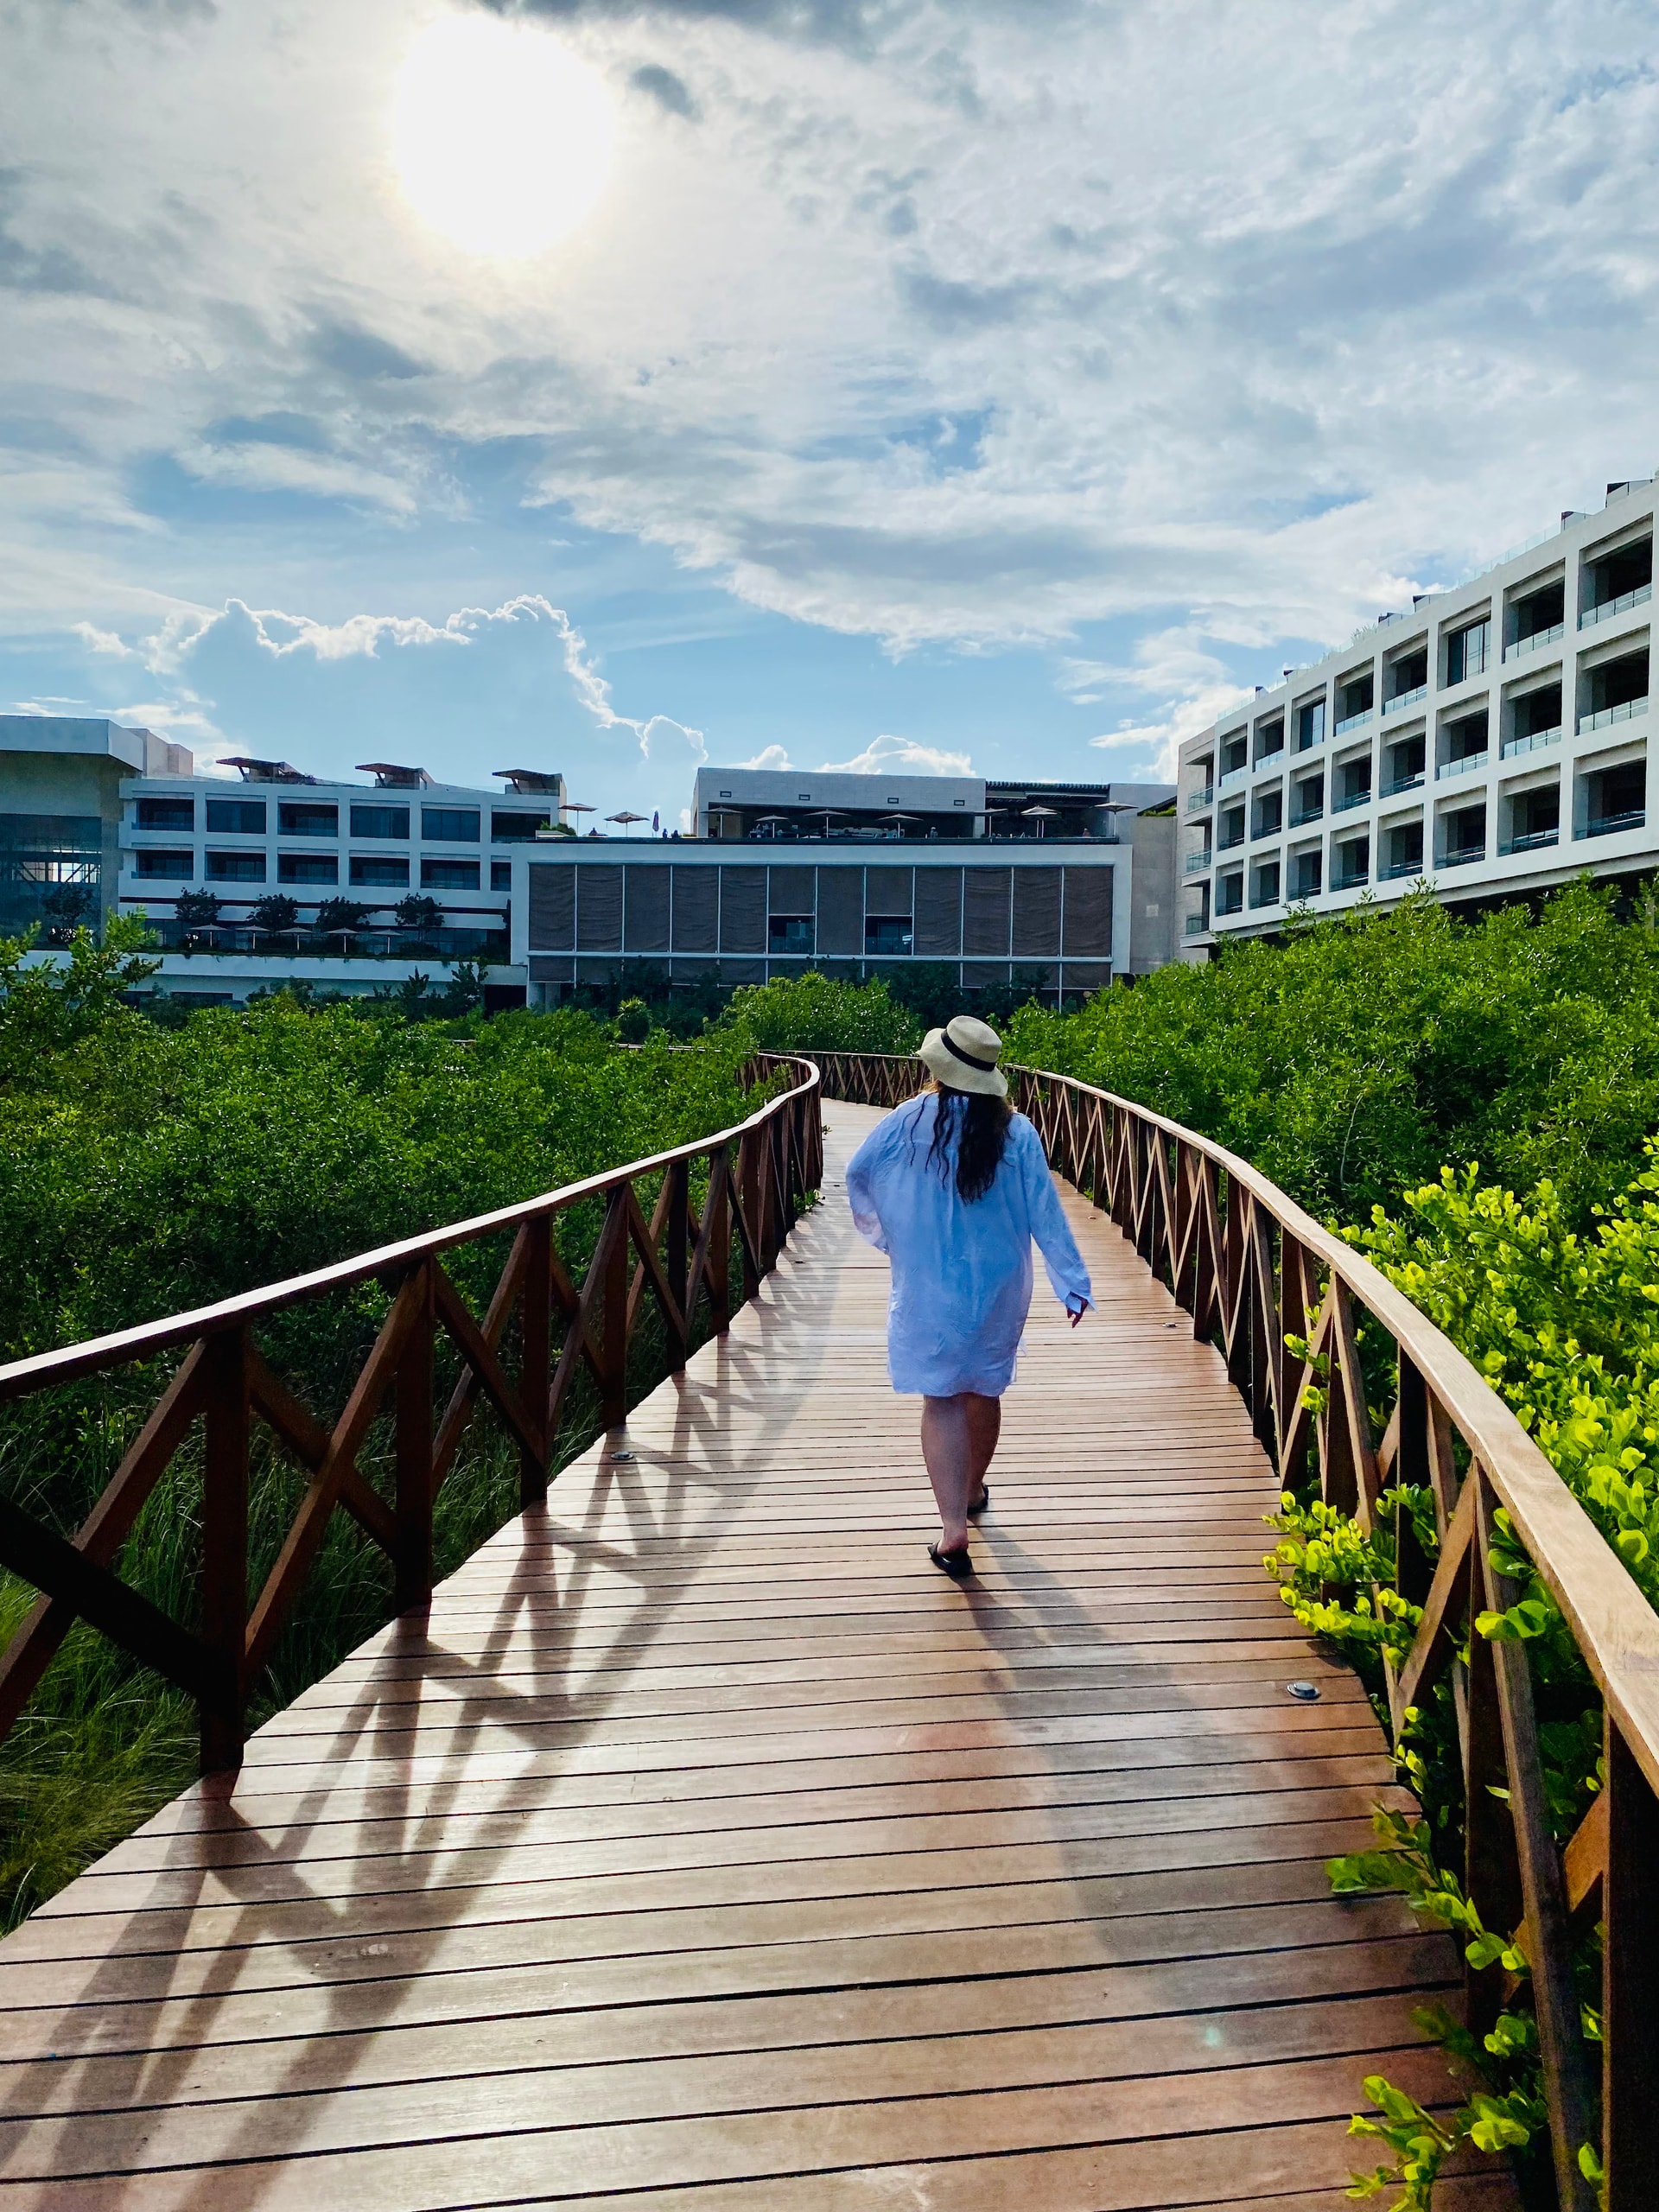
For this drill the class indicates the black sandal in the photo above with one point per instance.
(973, 1511)
(957, 1564)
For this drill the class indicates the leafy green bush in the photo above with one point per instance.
(818, 1013)
(1369, 1050)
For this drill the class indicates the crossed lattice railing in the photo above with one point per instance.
(1255, 1271)
(757, 1175)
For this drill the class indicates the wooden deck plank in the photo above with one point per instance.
(704, 1849)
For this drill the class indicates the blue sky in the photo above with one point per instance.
(885, 379)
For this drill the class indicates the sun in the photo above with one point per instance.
(502, 139)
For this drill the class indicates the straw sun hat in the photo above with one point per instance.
(963, 1054)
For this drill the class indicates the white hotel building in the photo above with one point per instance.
(1494, 742)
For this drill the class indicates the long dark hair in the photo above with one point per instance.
(978, 1125)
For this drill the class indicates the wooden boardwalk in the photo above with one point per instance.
(707, 1849)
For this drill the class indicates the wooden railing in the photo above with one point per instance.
(758, 1173)
(1253, 1270)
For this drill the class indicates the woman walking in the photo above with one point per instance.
(953, 1187)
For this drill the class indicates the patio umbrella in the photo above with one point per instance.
(827, 815)
(1041, 815)
(627, 819)
(772, 818)
(900, 820)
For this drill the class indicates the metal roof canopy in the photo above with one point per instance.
(391, 776)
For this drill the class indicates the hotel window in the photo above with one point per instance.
(449, 875)
(449, 825)
(236, 817)
(379, 821)
(307, 818)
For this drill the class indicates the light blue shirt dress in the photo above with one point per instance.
(962, 1274)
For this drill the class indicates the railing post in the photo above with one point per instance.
(224, 1546)
(717, 1220)
(1491, 1871)
(614, 1303)
(677, 1249)
(748, 1184)
(412, 1570)
(1630, 1965)
(536, 1327)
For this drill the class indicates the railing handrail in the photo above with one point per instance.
(1258, 1276)
(122, 1346)
(1617, 1630)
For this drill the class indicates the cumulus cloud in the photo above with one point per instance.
(1245, 324)
(905, 756)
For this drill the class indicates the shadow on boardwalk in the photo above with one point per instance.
(705, 1848)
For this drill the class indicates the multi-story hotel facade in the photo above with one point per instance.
(268, 876)
(1054, 888)
(1493, 741)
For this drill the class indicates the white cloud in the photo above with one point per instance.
(905, 756)
(983, 326)
(769, 756)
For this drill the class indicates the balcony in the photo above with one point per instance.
(1535, 639)
(1232, 778)
(1228, 907)
(1196, 925)
(1622, 713)
(1463, 855)
(1264, 897)
(1513, 747)
(1606, 608)
(1357, 881)
(1350, 800)
(1196, 863)
(1411, 783)
(1395, 869)
(1314, 813)
(1609, 825)
(1466, 767)
(1353, 721)
(1401, 700)
(1197, 801)
(1531, 841)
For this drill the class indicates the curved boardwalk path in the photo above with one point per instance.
(707, 1849)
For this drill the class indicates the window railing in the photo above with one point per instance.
(1350, 799)
(1309, 887)
(1225, 907)
(1197, 862)
(1401, 700)
(1532, 741)
(1353, 721)
(1196, 925)
(1625, 710)
(1414, 782)
(1395, 869)
(1464, 765)
(1197, 801)
(1314, 813)
(1352, 882)
(1232, 778)
(1532, 841)
(1229, 844)
(1534, 639)
(1273, 753)
(1605, 609)
(1463, 855)
(1609, 825)
(1264, 897)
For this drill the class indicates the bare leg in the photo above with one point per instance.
(984, 1426)
(959, 1437)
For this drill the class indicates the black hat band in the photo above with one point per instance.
(967, 1059)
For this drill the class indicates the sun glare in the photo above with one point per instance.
(502, 140)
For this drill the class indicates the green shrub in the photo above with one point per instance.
(818, 1013)
(1369, 1050)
